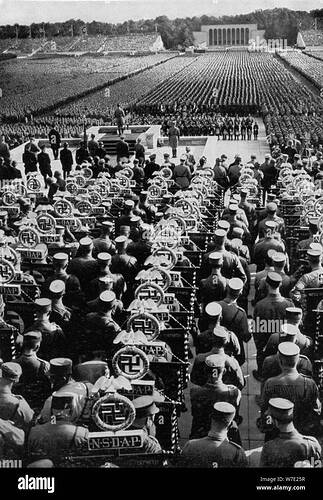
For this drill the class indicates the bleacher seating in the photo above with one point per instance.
(133, 42)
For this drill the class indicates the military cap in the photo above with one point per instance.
(152, 156)
(61, 366)
(223, 411)
(297, 156)
(224, 224)
(244, 191)
(35, 335)
(90, 370)
(145, 406)
(253, 157)
(62, 400)
(213, 309)
(43, 304)
(220, 233)
(233, 201)
(11, 371)
(288, 349)
(293, 312)
(215, 361)
(183, 158)
(167, 196)
(267, 155)
(135, 218)
(279, 257)
(120, 240)
(143, 193)
(270, 224)
(136, 160)
(224, 157)
(107, 223)
(303, 464)
(237, 231)
(106, 279)
(60, 257)
(236, 243)
(274, 279)
(86, 242)
(215, 257)
(166, 155)
(107, 297)
(280, 408)
(124, 227)
(271, 207)
(220, 332)
(129, 203)
(316, 246)
(60, 229)
(104, 257)
(57, 286)
(271, 196)
(314, 255)
(288, 329)
(235, 284)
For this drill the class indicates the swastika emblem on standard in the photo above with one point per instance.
(28, 237)
(84, 207)
(33, 184)
(9, 198)
(7, 272)
(46, 223)
(131, 364)
(112, 413)
(63, 207)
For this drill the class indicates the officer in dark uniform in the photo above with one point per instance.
(288, 330)
(104, 243)
(12, 406)
(95, 288)
(146, 410)
(271, 367)
(272, 216)
(214, 287)
(204, 397)
(313, 229)
(269, 242)
(53, 338)
(60, 314)
(231, 267)
(84, 266)
(300, 390)
(279, 263)
(101, 327)
(124, 220)
(234, 317)
(289, 446)
(72, 284)
(269, 314)
(215, 450)
(313, 279)
(124, 264)
(55, 141)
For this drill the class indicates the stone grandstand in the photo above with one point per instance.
(136, 43)
(313, 38)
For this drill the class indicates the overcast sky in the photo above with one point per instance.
(28, 11)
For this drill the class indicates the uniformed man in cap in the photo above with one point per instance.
(124, 264)
(271, 366)
(233, 218)
(279, 262)
(214, 287)
(60, 314)
(215, 450)
(234, 317)
(290, 327)
(313, 229)
(104, 243)
(224, 225)
(62, 381)
(263, 274)
(269, 242)
(59, 435)
(96, 285)
(13, 407)
(34, 383)
(250, 211)
(203, 397)
(300, 390)
(231, 267)
(101, 327)
(146, 410)
(269, 314)
(272, 216)
(84, 266)
(73, 292)
(53, 338)
(313, 279)
(151, 167)
(289, 446)
(239, 212)
(167, 162)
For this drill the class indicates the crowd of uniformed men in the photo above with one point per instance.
(43, 391)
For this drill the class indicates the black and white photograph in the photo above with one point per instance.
(161, 243)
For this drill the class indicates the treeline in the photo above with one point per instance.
(176, 33)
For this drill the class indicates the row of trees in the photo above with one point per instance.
(278, 23)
